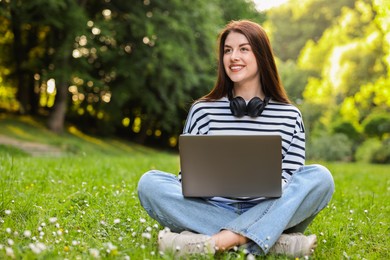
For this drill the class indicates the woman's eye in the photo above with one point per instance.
(227, 51)
(244, 49)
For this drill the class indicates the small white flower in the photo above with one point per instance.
(75, 243)
(8, 230)
(142, 220)
(7, 212)
(38, 247)
(147, 235)
(250, 257)
(57, 225)
(148, 229)
(43, 224)
(41, 233)
(10, 242)
(94, 252)
(53, 220)
(365, 211)
(351, 211)
(27, 233)
(117, 221)
(9, 252)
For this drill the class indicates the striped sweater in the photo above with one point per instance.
(215, 117)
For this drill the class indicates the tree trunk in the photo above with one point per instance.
(57, 117)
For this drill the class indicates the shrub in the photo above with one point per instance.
(366, 151)
(337, 147)
(347, 128)
(382, 155)
(374, 151)
(377, 125)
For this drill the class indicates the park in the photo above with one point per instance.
(93, 94)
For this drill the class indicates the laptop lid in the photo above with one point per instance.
(230, 165)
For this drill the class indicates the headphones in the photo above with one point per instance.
(254, 108)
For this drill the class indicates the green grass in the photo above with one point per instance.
(85, 203)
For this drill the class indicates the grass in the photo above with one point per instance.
(83, 205)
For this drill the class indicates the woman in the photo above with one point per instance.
(247, 98)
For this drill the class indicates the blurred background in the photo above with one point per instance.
(131, 69)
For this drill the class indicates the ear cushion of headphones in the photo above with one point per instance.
(238, 106)
(255, 107)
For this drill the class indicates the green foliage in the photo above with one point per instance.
(365, 152)
(294, 79)
(296, 22)
(346, 128)
(144, 61)
(377, 125)
(374, 150)
(382, 155)
(337, 147)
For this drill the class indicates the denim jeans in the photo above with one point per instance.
(304, 196)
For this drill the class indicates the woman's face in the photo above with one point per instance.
(239, 61)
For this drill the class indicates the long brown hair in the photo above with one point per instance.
(258, 40)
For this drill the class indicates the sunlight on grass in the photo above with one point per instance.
(20, 133)
(73, 130)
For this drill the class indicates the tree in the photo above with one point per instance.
(293, 24)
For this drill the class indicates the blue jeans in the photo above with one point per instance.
(304, 196)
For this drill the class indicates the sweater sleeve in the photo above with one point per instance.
(191, 124)
(294, 158)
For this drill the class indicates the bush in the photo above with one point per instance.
(337, 147)
(374, 151)
(366, 151)
(377, 125)
(382, 155)
(347, 128)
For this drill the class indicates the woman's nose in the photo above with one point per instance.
(234, 56)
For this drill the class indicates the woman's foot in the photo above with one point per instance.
(295, 245)
(185, 243)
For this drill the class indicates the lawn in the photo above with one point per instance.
(83, 205)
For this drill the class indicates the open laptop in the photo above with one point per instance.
(231, 165)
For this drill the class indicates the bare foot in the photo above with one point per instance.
(227, 239)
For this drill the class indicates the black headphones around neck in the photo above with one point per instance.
(254, 108)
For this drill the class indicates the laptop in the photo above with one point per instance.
(231, 165)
